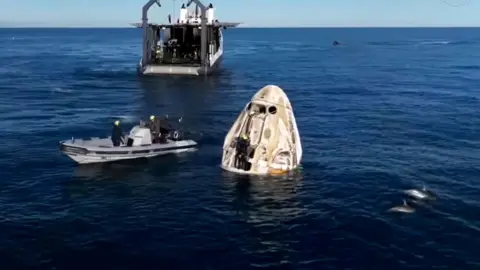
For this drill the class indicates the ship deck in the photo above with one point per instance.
(167, 25)
(165, 69)
(179, 69)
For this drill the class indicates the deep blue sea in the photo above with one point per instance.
(388, 110)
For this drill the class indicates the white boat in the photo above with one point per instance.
(273, 140)
(138, 145)
(193, 45)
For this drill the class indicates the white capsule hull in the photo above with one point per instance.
(273, 137)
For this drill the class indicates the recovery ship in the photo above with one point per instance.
(193, 45)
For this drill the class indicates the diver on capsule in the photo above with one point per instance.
(243, 144)
(117, 134)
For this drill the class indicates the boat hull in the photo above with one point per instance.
(82, 153)
(89, 159)
(156, 70)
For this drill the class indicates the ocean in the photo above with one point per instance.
(389, 109)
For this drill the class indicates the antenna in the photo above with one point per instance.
(173, 10)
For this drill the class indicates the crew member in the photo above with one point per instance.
(164, 126)
(154, 129)
(117, 134)
(160, 128)
(151, 125)
(243, 144)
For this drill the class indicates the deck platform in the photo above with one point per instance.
(166, 25)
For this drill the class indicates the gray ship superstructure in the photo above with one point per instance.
(193, 45)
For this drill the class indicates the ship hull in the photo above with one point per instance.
(156, 70)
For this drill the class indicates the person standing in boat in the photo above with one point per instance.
(154, 128)
(117, 134)
(164, 126)
(159, 128)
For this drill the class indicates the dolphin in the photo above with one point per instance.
(404, 208)
(421, 194)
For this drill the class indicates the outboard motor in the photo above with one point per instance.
(175, 131)
(176, 135)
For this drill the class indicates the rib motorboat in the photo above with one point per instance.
(138, 144)
(193, 45)
(264, 140)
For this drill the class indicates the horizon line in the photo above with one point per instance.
(244, 27)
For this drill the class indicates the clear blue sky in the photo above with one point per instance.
(251, 12)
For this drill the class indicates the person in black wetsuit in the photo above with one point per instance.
(243, 144)
(159, 128)
(164, 126)
(117, 134)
